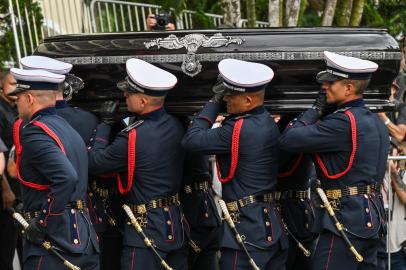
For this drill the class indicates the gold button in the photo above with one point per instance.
(367, 210)
(267, 223)
(72, 211)
(41, 221)
(365, 196)
(49, 200)
(307, 226)
(369, 225)
(90, 194)
(265, 210)
(269, 238)
(170, 237)
(74, 226)
(75, 241)
(100, 219)
(166, 209)
(306, 212)
(169, 222)
(206, 215)
(44, 211)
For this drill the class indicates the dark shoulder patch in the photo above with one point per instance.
(133, 125)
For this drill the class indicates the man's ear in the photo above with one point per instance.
(30, 98)
(248, 99)
(349, 89)
(144, 101)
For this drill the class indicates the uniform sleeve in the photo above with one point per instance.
(330, 134)
(202, 139)
(401, 120)
(105, 157)
(53, 165)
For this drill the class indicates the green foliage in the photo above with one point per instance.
(389, 14)
(200, 20)
(308, 16)
(7, 45)
(176, 5)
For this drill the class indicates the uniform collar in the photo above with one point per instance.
(45, 111)
(60, 104)
(154, 115)
(359, 102)
(257, 110)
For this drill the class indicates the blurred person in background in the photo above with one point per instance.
(395, 188)
(9, 189)
(162, 21)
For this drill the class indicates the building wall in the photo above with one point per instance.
(65, 17)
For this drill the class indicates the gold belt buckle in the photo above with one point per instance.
(142, 219)
(333, 194)
(232, 206)
(335, 204)
(141, 209)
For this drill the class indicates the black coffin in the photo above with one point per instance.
(296, 55)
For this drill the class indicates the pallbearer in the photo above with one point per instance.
(148, 157)
(247, 155)
(52, 168)
(351, 147)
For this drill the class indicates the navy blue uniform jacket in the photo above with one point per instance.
(52, 179)
(349, 155)
(256, 172)
(85, 124)
(157, 173)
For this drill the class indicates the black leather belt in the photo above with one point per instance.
(204, 186)
(234, 206)
(296, 194)
(158, 203)
(335, 194)
(78, 205)
(103, 193)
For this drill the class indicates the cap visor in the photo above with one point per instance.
(325, 76)
(123, 85)
(17, 91)
(220, 88)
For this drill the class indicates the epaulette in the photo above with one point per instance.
(32, 120)
(133, 125)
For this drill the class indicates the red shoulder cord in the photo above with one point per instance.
(294, 167)
(19, 150)
(132, 138)
(354, 150)
(235, 142)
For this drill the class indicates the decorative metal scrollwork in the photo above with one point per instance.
(191, 66)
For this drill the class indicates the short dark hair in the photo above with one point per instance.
(360, 85)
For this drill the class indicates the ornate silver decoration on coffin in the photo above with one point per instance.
(191, 65)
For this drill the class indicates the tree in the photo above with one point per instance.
(356, 14)
(291, 12)
(343, 12)
(328, 14)
(251, 16)
(231, 12)
(273, 13)
(7, 44)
